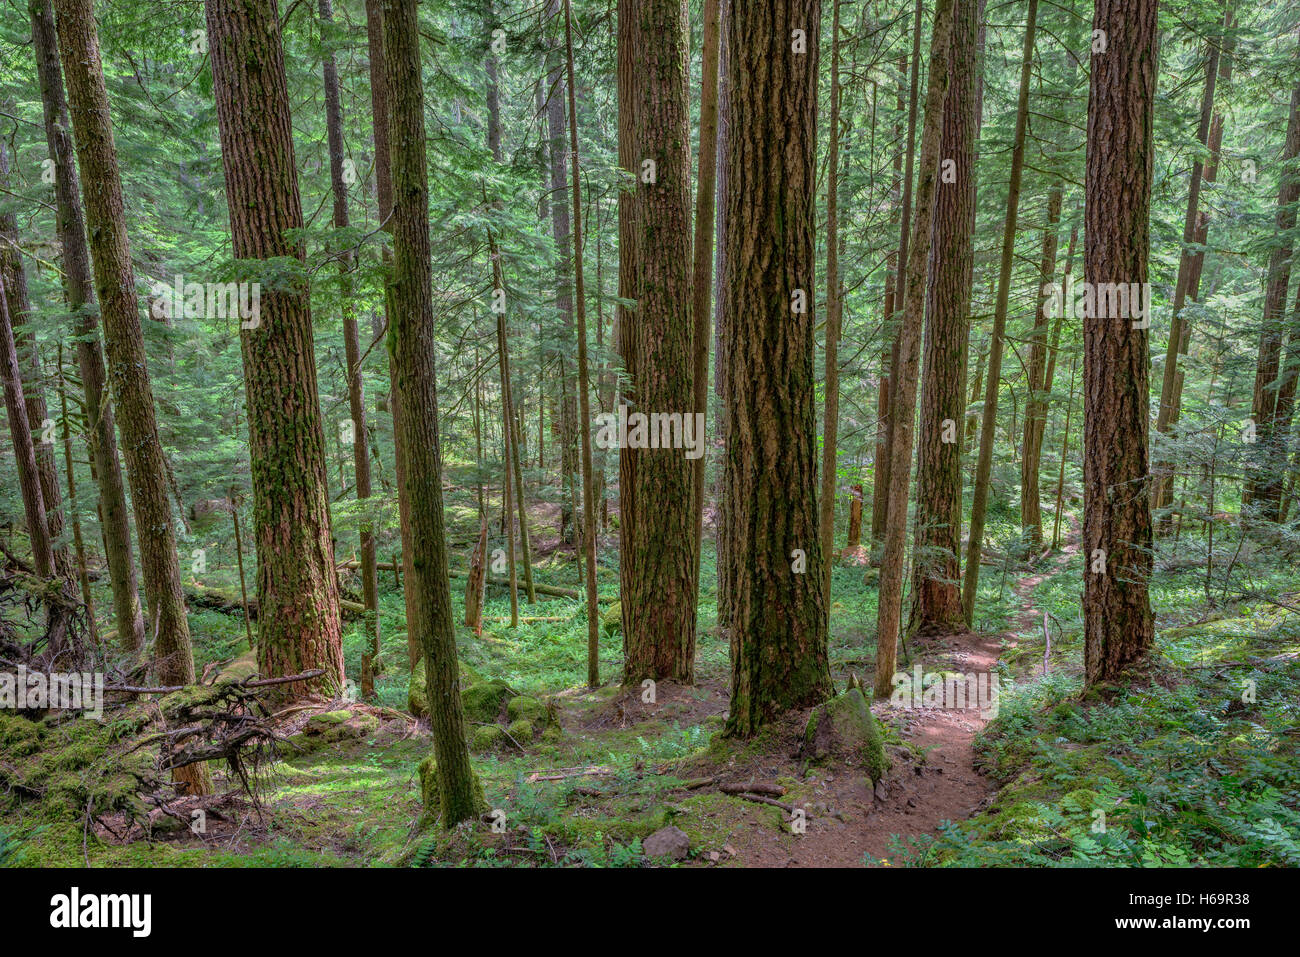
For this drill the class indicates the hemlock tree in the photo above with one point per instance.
(297, 589)
(657, 545)
(412, 347)
(773, 589)
(1117, 534)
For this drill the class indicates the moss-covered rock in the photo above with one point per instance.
(487, 737)
(524, 706)
(612, 620)
(330, 727)
(521, 730)
(483, 701)
(417, 695)
(431, 794)
(845, 727)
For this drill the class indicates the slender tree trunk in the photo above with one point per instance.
(87, 596)
(297, 587)
(657, 522)
(412, 345)
(1116, 365)
(146, 466)
(1263, 486)
(705, 215)
(721, 331)
(1031, 515)
(352, 352)
(904, 386)
(936, 595)
(834, 314)
(79, 291)
(988, 421)
(774, 590)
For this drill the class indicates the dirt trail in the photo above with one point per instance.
(847, 824)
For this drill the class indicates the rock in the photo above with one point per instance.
(521, 730)
(845, 727)
(417, 698)
(612, 621)
(482, 701)
(488, 737)
(524, 706)
(667, 842)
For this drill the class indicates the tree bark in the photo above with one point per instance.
(412, 346)
(1117, 506)
(774, 592)
(904, 379)
(297, 589)
(936, 594)
(656, 495)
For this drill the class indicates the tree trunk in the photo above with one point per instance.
(936, 595)
(1117, 508)
(297, 589)
(477, 581)
(1031, 515)
(904, 379)
(774, 592)
(834, 314)
(657, 521)
(146, 467)
(988, 420)
(412, 345)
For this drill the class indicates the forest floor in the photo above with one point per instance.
(1180, 770)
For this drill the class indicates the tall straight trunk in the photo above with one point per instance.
(1188, 267)
(702, 274)
(885, 462)
(1116, 366)
(834, 314)
(936, 595)
(879, 494)
(29, 483)
(297, 588)
(582, 385)
(562, 232)
(721, 331)
(83, 576)
(988, 420)
(29, 366)
(412, 345)
(657, 521)
(79, 291)
(902, 409)
(384, 198)
(774, 590)
(352, 353)
(1263, 486)
(146, 466)
(1031, 514)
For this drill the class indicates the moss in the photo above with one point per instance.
(845, 726)
(488, 737)
(482, 701)
(521, 730)
(524, 706)
(612, 620)
(431, 794)
(417, 696)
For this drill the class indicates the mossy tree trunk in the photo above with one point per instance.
(297, 588)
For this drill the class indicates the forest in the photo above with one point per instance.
(649, 433)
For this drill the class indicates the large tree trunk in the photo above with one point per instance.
(1117, 507)
(146, 466)
(657, 522)
(1266, 466)
(936, 595)
(721, 332)
(297, 589)
(988, 420)
(412, 345)
(904, 378)
(774, 592)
